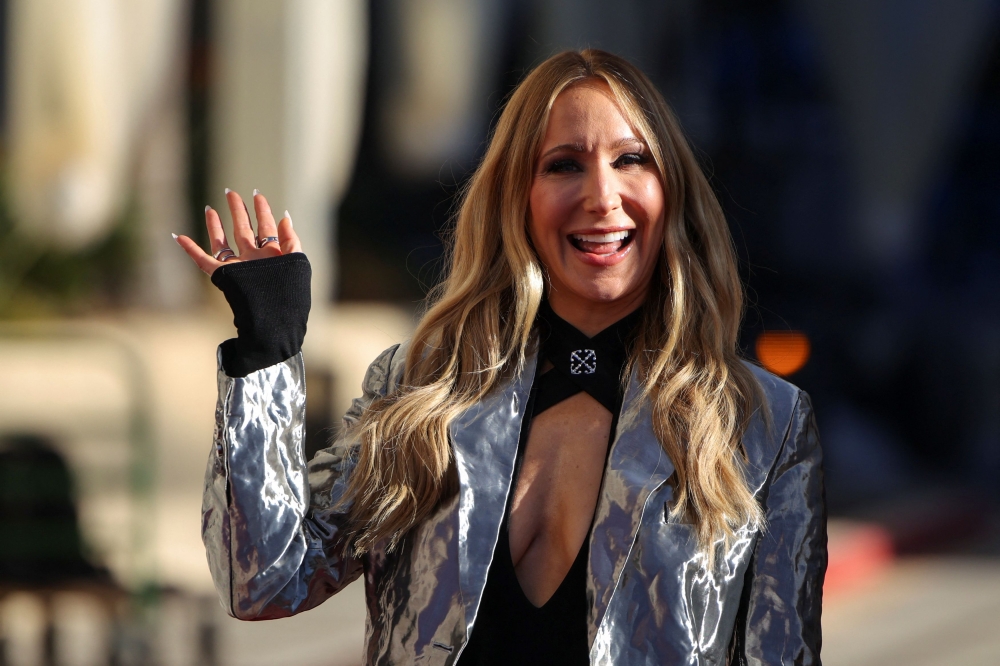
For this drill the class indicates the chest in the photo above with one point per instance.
(562, 466)
(556, 491)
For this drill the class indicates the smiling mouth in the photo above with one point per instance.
(603, 244)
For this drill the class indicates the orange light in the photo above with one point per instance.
(783, 352)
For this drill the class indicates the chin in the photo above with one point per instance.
(598, 294)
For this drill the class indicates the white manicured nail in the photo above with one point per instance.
(174, 235)
(208, 208)
(228, 190)
(289, 218)
(256, 191)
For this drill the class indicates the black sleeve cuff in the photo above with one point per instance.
(270, 299)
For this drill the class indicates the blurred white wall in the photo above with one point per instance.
(82, 76)
(442, 57)
(288, 100)
(95, 115)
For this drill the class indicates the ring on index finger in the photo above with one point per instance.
(261, 242)
(224, 255)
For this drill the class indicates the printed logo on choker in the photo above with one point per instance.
(583, 362)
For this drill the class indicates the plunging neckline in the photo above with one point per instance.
(579, 363)
(509, 628)
(577, 573)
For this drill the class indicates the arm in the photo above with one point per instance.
(271, 525)
(783, 597)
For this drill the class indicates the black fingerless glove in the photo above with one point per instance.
(270, 299)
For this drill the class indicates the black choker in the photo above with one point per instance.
(594, 365)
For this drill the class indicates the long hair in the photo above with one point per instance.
(477, 331)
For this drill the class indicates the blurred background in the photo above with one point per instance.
(855, 146)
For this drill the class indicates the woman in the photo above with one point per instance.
(568, 463)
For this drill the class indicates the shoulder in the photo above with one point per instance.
(384, 374)
(386, 371)
(780, 397)
(784, 412)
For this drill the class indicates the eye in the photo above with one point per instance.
(565, 165)
(630, 159)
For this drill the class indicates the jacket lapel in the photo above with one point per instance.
(484, 441)
(637, 465)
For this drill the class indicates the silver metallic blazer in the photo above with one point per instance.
(273, 529)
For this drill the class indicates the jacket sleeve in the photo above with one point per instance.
(271, 525)
(784, 591)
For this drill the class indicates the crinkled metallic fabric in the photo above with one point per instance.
(272, 530)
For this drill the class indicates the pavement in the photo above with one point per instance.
(921, 611)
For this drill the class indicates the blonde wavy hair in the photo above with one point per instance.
(477, 331)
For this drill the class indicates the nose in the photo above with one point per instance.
(601, 194)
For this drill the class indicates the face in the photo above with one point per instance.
(596, 208)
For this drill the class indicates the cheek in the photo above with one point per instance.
(535, 214)
(652, 200)
(543, 220)
(549, 205)
(651, 204)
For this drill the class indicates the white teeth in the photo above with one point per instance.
(602, 238)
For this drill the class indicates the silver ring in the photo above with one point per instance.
(218, 254)
(261, 242)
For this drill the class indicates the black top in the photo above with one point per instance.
(509, 629)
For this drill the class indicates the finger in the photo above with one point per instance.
(265, 220)
(287, 238)
(216, 233)
(202, 259)
(242, 231)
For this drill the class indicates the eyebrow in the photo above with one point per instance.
(579, 148)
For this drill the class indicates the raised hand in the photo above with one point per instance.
(246, 242)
